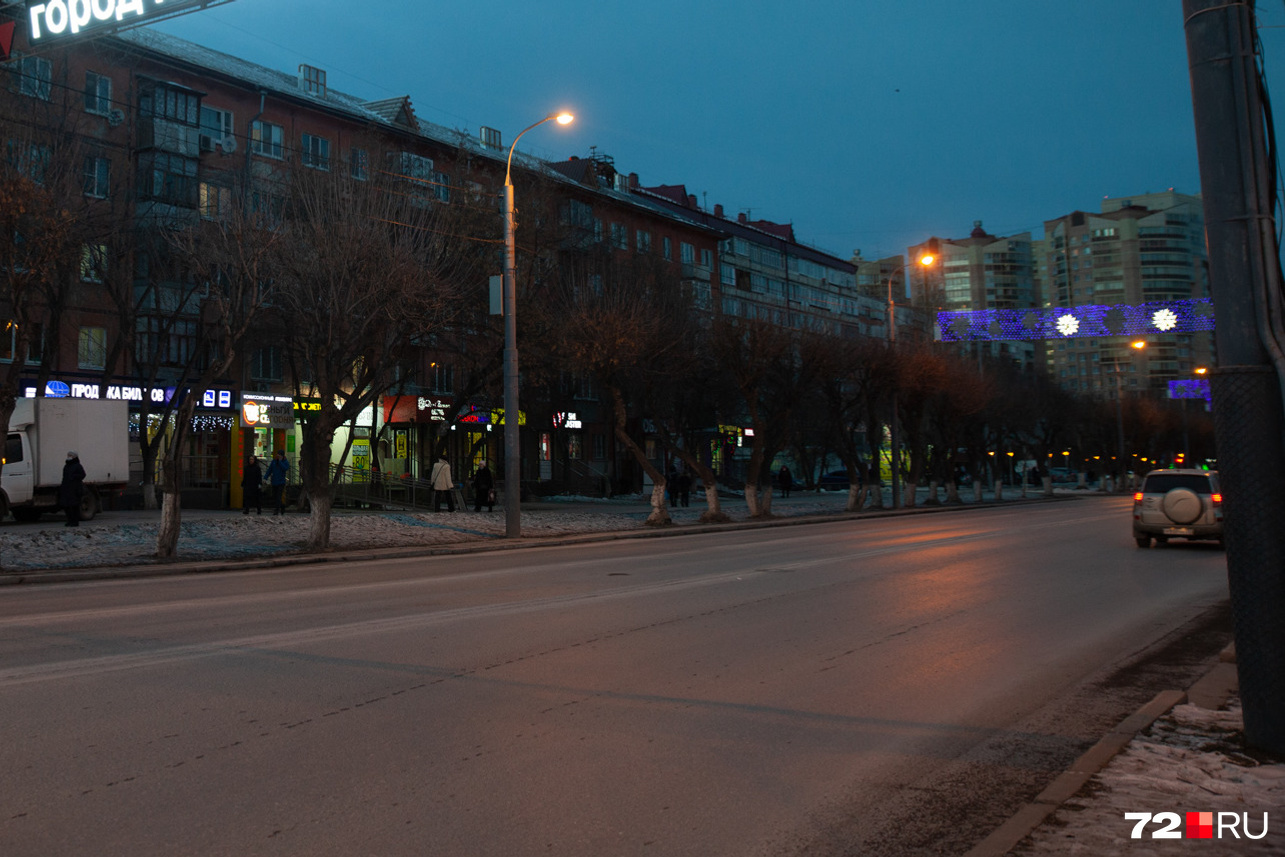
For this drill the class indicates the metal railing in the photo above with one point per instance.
(364, 488)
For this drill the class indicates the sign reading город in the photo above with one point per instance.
(56, 19)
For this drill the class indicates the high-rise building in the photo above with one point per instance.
(982, 271)
(1138, 249)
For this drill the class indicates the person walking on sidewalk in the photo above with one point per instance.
(483, 489)
(252, 486)
(277, 472)
(443, 484)
(72, 488)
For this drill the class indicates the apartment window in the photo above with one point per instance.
(98, 174)
(36, 77)
(92, 348)
(156, 100)
(267, 139)
(442, 186)
(98, 93)
(215, 202)
(443, 378)
(216, 126)
(575, 446)
(267, 207)
(315, 152)
(619, 236)
(359, 164)
(667, 248)
(93, 262)
(644, 241)
(163, 177)
(687, 253)
(265, 364)
(707, 259)
(599, 447)
(9, 343)
(168, 341)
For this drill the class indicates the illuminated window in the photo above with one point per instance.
(92, 348)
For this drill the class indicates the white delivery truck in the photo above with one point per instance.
(42, 432)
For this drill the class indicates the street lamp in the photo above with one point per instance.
(512, 452)
(1137, 345)
(894, 455)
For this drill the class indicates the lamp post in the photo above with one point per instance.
(512, 451)
(1119, 411)
(894, 454)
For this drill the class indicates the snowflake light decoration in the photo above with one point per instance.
(1068, 324)
(1165, 319)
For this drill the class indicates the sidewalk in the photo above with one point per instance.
(1181, 753)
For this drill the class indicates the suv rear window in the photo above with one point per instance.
(1162, 483)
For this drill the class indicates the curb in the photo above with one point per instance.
(497, 543)
(1211, 691)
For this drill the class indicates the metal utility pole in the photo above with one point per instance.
(1245, 278)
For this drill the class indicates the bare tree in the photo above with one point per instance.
(367, 273)
(619, 320)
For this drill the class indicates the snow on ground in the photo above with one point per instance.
(1190, 760)
(129, 538)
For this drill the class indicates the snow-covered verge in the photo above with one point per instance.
(130, 538)
(1192, 760)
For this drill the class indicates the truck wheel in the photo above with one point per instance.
(88, 506)
(4, 506)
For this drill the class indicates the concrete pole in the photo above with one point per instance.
(1244, 274)
(512, 451)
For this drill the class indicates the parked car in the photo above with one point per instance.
(1063, 475)
(1184, 504)
(835, 480)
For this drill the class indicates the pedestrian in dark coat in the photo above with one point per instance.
(277, 471)
(786, 480)
(483, 489)
(252, 486)
(72, 489)
(684, 488)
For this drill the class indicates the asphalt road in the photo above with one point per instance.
(886, 686)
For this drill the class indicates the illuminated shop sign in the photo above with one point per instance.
(564, 419)
(56, 389)
(266, 411)
(50, 20)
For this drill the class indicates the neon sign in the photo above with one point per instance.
(55, 19)
(1185, 316)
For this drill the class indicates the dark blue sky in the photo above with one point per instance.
(868, 124)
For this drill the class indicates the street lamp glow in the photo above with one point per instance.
(512, 449)
(1139, 344)
(927, 259)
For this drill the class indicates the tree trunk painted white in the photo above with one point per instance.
(659, 516)
(171, 521)
(713, 513)
(319, 520)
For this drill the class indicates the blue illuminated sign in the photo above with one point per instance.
(1185, 316)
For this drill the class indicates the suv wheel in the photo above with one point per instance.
(1143, 541)
(1182, 506)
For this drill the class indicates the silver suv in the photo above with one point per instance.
(1178, 503)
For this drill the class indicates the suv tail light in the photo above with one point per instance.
(1217, 499)
(1137, 498)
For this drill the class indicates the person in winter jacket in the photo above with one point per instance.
(483, 489)
(277, 472)
(72, 488)
(443, 485)
(252, 486)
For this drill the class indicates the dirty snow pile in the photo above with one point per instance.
(1190, 760)
(130, 538)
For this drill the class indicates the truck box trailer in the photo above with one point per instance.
(41, 433)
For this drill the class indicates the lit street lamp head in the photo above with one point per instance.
(564, 118)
